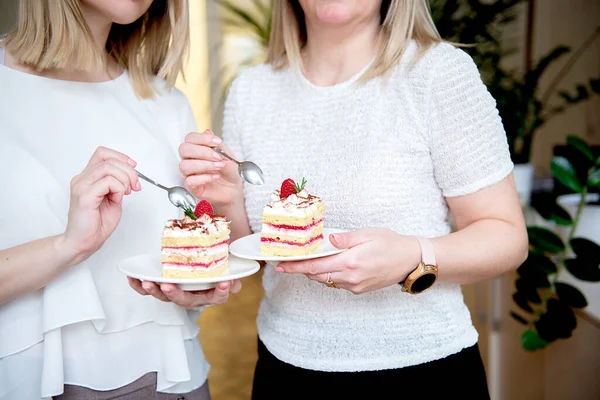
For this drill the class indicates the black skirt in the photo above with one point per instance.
(460, 375)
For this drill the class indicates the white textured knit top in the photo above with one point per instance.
(88, 327)
(378, 157)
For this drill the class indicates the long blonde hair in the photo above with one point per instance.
(401, 21)
(53, 34)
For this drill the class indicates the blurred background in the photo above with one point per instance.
(539, 327)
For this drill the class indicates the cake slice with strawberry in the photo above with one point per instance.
(292, 222)
(196, 246)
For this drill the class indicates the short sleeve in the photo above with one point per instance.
(231, 120)
(469, 147)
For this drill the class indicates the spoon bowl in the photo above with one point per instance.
(178, 195)
(249, 171)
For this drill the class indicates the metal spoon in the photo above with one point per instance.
(249, 171)
(179, 196)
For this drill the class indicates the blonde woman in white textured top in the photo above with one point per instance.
(85, 89)
(393, 129)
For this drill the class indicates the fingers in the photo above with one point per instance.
(236, 286)
(103, 154)
(221, 293)
(198, 167)
(347, 240)
(206, 138)
(314, 266)
(136, 285)
(168, 292)
(199, 180)
(198, 152)
(322, 278)
(107, 186)
(218, 295)
(153, 289)
(177, 296)
(122, 172)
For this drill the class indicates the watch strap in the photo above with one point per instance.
(427, 253)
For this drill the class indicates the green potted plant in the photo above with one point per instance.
(523, 106)
(562, 254)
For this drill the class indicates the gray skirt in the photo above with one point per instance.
(142, 389)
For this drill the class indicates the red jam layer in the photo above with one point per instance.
(196, 247)
(197, 265)
(289, 243)
(293, 227)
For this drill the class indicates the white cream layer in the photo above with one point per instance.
(190, 268)
(295, 205)
(199, 251)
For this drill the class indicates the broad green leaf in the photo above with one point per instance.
(518, 318)
(550, 210)
(594, 178)
(570, 295)
(564, 171)
(581, 145)
(595, 85)
(586, 250)
(598, 162)
(583, 270)
(561, 316)
(531, 341)
(532, 276)
(527, 289)
(542, 262)
(545, 240)
(521, 301)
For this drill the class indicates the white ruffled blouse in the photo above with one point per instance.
(88, 327)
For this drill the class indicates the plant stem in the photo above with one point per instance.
(565, 70)
(529, 35)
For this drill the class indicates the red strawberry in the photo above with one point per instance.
(288, 187)
(203, 207)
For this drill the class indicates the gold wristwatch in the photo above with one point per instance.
(425, 275)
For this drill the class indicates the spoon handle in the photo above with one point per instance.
(221, 152)
(144, 177)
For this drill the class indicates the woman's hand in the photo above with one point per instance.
(171, 293)
(375, 258)
(96, 198)
(208, 175)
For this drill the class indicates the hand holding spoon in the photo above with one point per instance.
(249, 171)
(178, 195)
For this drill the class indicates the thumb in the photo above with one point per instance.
(347, 240)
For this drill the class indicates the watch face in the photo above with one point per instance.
(422, 283)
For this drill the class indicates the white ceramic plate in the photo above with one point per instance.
(248, 248)
(148, 267)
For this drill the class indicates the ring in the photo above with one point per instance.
(331, 283)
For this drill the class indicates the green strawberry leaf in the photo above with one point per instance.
(190, 214)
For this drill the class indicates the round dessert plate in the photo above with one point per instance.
(248, 248)
(148, 267)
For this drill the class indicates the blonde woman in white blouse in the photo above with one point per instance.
(86, 89)
(392, 128)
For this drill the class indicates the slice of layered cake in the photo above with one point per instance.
(196, 246)
(292, 222)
